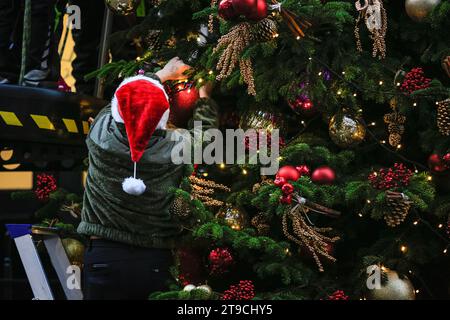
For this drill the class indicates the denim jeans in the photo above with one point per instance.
(116, 271)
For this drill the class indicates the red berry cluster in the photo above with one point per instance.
(253, 140)
(45, 184)
(394, 177)
(338, 295)
(303, 170)
(286, 188)
(183, 280)
(220, 259)
(245, 290)
(415, 80)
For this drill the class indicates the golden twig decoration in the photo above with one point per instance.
(306, 235)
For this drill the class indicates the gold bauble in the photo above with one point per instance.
(234, 217)
(259, 119)
(208, 290)
(346, 131)
(123, 7)
(394, 288)
(74, 250)
(420, 9)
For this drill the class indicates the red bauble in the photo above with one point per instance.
(279, 181)
(251, 9)
(226, 10)
(287, 188)
(436, 163)
(288, 173)
(260, 12)
(303, 106)
(183, 98)
(286, 199)
(303, 170)
(323, 175)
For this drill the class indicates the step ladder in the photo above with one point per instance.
(25, 237)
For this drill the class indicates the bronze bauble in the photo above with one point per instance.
(420, 9)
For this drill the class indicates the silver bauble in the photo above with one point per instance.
(420, 9)
(395, 288)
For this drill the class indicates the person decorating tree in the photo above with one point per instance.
(127, 199)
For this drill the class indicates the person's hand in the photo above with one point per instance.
(173, 70)
(206, 90)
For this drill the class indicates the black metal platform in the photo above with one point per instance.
(45, 129)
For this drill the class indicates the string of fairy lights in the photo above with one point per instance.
(402, 246)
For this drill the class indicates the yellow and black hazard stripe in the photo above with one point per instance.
(44, 122)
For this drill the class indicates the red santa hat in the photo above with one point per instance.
(143, 106)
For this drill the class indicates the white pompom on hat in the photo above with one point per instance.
(142, 105)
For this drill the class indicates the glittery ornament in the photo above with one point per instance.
(74, 250)
(231, 46)
(301, 103)
(393, 288)
(346, 131)
(307, 236)
(375, 17)
(418, 10)
(232, 216)
(261, 223)
(123, 7)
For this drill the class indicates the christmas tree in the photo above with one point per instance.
(360, 93)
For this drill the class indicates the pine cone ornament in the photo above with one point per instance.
(181, 208)
(265, 30)
(153, 40)
(395, 122)
(399, 206)
(443, 117)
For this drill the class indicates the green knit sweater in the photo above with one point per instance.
(110, 213)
